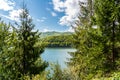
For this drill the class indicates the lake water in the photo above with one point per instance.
(55, 55)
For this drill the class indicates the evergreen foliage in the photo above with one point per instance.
(7, 53)
(107, 18)
(82, 59)
(20, 49)
(31, 62)
(96, 39)
(57, 73)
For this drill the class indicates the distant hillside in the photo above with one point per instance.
(53, 33)
(57, 39)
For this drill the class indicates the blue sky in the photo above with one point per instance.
(48, 15)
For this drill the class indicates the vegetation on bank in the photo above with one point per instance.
(58, 41)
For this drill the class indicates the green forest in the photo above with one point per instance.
(58, 40)
(96, 39)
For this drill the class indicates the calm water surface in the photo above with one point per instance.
(59, 55)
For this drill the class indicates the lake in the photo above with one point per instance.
(55, 55)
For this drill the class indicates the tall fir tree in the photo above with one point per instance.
(82, 40)
(20, 55)
(31, 62)
(107, 17)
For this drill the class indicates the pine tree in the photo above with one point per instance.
(82, 41)
(108, 19)
(31, 50)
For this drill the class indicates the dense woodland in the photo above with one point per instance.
(96, 40)
(58, 41)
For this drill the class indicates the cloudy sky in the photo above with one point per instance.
(48, 15)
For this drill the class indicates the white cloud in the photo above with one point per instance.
(44, 18)
(47, 30)
(6, 5)
(14, 14)
(40, 20)
(70, 29)
(50, 30)
(53, 14)
(5, 16)
(70, 8)
(58, 5)
(9, 5)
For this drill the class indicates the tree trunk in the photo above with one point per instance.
(113, 44)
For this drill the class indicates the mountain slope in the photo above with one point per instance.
(53, 33)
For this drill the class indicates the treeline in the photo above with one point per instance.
(58, 41)
(54, 33)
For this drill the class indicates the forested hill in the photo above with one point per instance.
(54, 33)
(57, 39)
